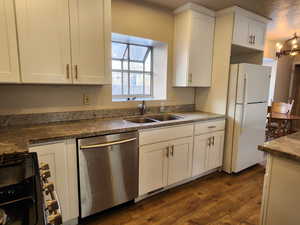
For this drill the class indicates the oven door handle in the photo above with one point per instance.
(107, 144)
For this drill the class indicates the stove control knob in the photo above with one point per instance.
(48, 188)
(55, 219)
(52, 205)
(45, 174)
(44, 166)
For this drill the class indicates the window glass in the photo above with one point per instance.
(147, 84)
(136, 84)
(136, 66)
(118, 50)
(116, 64)
(148, 62)
(116, 83)
(131, 70)
(137, 52)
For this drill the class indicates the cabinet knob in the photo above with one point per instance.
(190, 80)
(68, 71)
(44, 166)
(55, 219)
(52, 205)
(48, 187)
(76, 71)
(45, 174)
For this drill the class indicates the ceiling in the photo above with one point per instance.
(285, 14)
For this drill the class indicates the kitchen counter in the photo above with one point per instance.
(281, 194)
(287, 146)
(17, 139)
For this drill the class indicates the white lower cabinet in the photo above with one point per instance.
(61, 157)
(208, 152)
(153, 167)
(180, 160)
(165, 163)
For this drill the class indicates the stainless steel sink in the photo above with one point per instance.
(153, 118)
(141, 120)
(165, 117)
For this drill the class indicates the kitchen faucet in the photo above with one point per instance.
(142, 108)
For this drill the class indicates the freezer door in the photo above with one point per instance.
(253, 83)
(249, 132)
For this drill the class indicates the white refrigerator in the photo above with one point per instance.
(246, 113)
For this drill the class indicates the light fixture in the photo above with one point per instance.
(289, 47)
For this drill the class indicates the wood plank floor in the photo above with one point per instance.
(218, 199)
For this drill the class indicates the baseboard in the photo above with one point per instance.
(140, 198)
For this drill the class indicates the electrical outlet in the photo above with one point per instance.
(86, 99)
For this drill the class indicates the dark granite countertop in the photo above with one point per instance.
(287, 146)
(17, 139)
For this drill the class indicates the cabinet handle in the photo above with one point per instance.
(250, 39)
(76, 72)
(209, 142)
(68, 71)
(211, 127)
(213, 142)
(190, 77)
(172, 150)
(253, 39)
(168, 152)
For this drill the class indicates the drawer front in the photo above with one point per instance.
(211, 126)
(165, 134)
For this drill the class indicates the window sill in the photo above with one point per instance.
(137, 99)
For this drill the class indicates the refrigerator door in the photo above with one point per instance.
(253, 83)
(249, 132)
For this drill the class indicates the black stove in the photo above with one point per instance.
(21, 193)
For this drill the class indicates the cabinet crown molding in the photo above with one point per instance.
(195, 7)
(238, 10)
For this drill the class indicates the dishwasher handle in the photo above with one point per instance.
(106, 144)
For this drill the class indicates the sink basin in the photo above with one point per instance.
(164, 117)
(153, 118)
(141, 120)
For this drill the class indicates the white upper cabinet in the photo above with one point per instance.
(64, 41)
(193, 46)
(9, 65)
(91, 40)
(44, 41)
(249, 30)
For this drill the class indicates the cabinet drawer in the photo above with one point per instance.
(165, 134)
(211, 126)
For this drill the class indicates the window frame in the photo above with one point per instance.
(128, 71)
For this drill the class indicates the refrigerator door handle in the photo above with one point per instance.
(244, 103)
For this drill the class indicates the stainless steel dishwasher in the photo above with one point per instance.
(108, 171)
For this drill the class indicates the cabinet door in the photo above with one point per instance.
(153, 167)
(241, 35)
(91, 40)
(258, 30)
(215, 152)
(44, 41)
(61, 157)
(201, 50)
(180, 160)
(201, 147)
(9, 67)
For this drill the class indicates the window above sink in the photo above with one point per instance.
(139, 68)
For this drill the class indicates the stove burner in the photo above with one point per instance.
(3, 217)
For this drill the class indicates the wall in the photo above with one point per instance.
(284, 70)
(128, 17)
